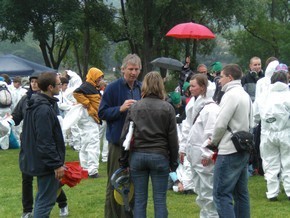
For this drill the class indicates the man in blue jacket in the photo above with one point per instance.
(117, 99)
(43, 150)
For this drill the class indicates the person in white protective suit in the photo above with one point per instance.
(200, 131)
(4, 112)
(74, 82)
(191, 110)
(262, 88)
(88, 94)
(17, 92)
(275, 133)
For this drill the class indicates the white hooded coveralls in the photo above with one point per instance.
(275, 138)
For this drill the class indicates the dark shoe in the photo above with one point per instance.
(94, 176)
(273, 199)
(189, 192)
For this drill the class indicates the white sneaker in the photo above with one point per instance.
(27, 215)
(63, 211)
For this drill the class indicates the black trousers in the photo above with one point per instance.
(27, 194)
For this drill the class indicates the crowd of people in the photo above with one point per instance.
(183, 135)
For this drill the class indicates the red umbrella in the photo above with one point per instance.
(73, 174)
(190, 31)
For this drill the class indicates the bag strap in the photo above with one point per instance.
(201, 110)
(229, 128)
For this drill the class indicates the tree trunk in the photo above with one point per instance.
(147, 38)
(42, 45)
(86, 51)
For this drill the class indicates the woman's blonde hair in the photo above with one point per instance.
(153, 85)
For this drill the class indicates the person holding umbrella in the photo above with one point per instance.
(185, 74)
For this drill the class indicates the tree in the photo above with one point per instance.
(56, 25)
(50, 21)
(145, 24)
(263, 30)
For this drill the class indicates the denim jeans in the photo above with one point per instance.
(46, 195)
(27, 194)
(230, 187)
(143, 165)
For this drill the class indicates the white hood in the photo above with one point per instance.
(271, 68)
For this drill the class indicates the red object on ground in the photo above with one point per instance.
(190, 31)
(73, 174)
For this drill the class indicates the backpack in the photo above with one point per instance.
(5, 97)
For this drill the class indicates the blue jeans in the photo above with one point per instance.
(157, 166)
(231, 185)
(46, 195)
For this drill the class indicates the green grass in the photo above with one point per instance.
(87, 199)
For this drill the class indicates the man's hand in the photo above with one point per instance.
(126, 105)
(59, 172)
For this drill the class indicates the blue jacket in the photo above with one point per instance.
(116, 93)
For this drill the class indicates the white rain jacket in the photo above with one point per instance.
(191, 110)
(75, 81)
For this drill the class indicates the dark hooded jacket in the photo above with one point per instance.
(43, 149)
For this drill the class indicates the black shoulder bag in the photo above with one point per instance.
(243, 140)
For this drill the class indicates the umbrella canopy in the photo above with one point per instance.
(190, 31)
(167, 63)
(16, 66)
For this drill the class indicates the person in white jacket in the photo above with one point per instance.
(230, 186)
(201, 130)
(192, 108)
(275, 134)
(75, 81)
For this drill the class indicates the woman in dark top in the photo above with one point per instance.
(155, 149)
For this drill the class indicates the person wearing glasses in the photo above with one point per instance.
(42, 151)
(88, 94)
(118, 97)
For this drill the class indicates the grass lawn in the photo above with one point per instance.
(87, 199)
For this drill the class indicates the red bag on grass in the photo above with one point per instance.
(73, 174)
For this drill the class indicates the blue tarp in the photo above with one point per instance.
(16, 66)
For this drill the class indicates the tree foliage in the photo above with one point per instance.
(44, 18)
(146, 22)
(264, 31)
(56, 25)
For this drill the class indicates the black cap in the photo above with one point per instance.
(34, 75)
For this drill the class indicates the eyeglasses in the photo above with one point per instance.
(58, 84)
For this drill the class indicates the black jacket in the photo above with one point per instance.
(20, 109)
(155, 128)
(43, 149)
(249, 82)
